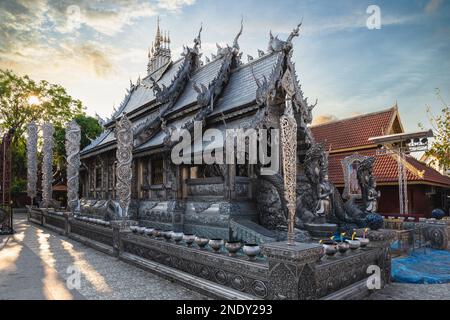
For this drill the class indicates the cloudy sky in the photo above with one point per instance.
(94, 48)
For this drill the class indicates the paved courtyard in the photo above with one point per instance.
(34, 264)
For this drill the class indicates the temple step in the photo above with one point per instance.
(250, 232)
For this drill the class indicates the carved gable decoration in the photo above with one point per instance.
(287, 82)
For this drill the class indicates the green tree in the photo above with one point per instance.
(440, 146)
(23, 100)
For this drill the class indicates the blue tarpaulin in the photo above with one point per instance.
(425, 266)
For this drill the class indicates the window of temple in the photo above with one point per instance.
(242, 170)
(110, 176)
(98, 178)
(157, 172)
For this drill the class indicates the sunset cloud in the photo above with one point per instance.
(432, 5)
(323, 118)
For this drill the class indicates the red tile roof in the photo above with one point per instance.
(355, 131)
(385, 169)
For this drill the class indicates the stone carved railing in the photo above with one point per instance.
(435, 233)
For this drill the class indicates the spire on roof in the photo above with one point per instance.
(159, 54)
(158, 35)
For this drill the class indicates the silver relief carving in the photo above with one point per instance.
(124, 136)
(32, 160)
(47, 164)
(288, 128)
(73, 138)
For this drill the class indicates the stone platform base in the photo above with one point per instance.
(322, 230)
(298, 272)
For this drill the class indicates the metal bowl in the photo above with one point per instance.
(252, 250)
(364, 242)
(354, 244)
(157, 233)
(201, 242)
(216, 244)
(343, 247)
(177, 236)
(167, 235)
(148, 231)
(233, 247)
(330, 247)
(189, 239)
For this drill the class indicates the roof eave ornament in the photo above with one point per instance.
(235, 42)
(276, 45)
(198, 39)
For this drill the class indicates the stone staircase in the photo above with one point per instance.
(248, 231)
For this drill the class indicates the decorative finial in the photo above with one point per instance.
(294, 32)
(235, 42)
(158, 35)
(198, 40)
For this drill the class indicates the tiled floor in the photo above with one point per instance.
(34, 264)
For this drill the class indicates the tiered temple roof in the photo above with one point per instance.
(230, 81)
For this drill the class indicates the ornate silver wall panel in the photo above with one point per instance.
(124, 136)
(73, 138)
(47, 164)
(32, 160)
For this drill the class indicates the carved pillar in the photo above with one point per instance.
(47, 164)
(124, 136)
(32, 160)
(73, 138)
(231, 181)
(292, 270)
(288, 130)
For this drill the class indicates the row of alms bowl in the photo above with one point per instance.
(93, 220)
(331, 247)
(250, 249)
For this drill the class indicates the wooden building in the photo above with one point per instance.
(427, 188)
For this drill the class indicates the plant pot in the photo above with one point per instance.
(252, 250)
(189, 239)
(201, 242)
(216, 244)
(233, 247)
